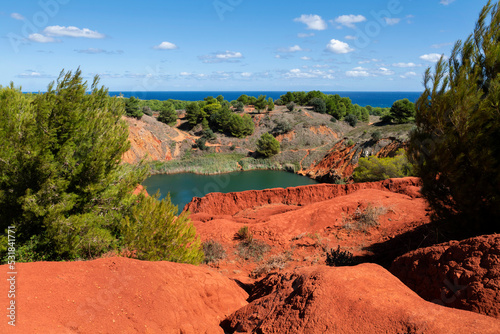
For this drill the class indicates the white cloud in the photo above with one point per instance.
(297, 73)
(357, 74)
(185, 74)
(338, 47)
(228, 56)
(39, 38)
(384, 71)
(432, 57)
(72, 32)
(364, 62)
(446, 2)
(33, 75)
(441, 45)
(313, 22)
(404, 65)
(246, 74)
(17, 16)
(359, 68)
(391, 21)
(350, 20)
(165, 46)
(97, 51)
(294, 48)
(408, 75)
(305, 58)
(303, 35)
(351, 37)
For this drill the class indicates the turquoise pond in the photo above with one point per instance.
(183, 187)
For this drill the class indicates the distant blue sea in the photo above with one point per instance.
(374, 99)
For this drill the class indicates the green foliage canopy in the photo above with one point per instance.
(455, 146)
(375, 169)
(268, 145)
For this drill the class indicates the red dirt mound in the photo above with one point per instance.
(362, 299)
(300, 223)
(119, 295)
(463, 274)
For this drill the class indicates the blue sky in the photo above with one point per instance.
(162, 45)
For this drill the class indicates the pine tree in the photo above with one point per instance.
(456, 144)
(167, 114)
(268, 145)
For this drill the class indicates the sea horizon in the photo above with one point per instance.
(363, 98)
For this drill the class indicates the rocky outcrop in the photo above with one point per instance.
(153, 140)
(119, 295)
(342, 159)
(231, 203)
(362, 299)
(463, 274)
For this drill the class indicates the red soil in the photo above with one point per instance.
(463, 274)
(119, 295)
(362, 299)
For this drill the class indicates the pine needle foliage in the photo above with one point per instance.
(455, 146)
(155, 233)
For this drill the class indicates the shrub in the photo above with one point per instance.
(376, 135)
(252, 249)
(338, 258)
(282, 127)
(455, 146)
(167, 114)
(156, 234)
(366, 219)
(318, 105)
(132, 108)
(375, 169)
(244, 234)
(201, 143)
(275, 262)
(402, 111)
(351, 119)
(61, 177)
(208, 134)
(268, 145)
(333, 119)
(290, 106)
(147, 110)
(214, 251)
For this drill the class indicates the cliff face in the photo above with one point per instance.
(342, 159)
(152, 140)
(231, 203)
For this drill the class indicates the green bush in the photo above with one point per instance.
(268, 145)
(351, 119)
(244, 234)
(132, 108)
(376, 135)
(290, 106)
(61, 176)
(456, 144)
(376, 169)
(154, 233)
(167, 114)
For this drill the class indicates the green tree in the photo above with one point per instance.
(455, 146)
(376, 169)
(132, 108)
(62, 183)
(194, 114)
(402, 111)
(290, 106)
(167, 115)
(155, 232)
(270, 104)
(241, 126)
(60, 174)
(318, 105)
(268, 145)
(243, 99)
(261, 103)
(351, 119)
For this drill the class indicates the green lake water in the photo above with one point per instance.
(183, 187)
